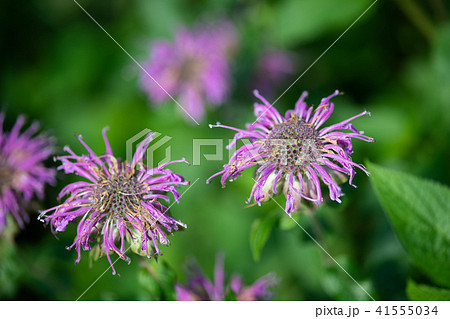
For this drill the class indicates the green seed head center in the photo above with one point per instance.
(292, 145)
(119, 194)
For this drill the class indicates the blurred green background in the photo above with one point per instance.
(58, 67)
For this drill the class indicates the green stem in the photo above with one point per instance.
(147, 267)
(317, 230)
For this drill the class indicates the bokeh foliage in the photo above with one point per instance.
(59, 67)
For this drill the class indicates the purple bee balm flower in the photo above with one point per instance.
(258, 291)
(117, 202)
(201, 288)
(295, 152)
(22, 171)
(193, 68)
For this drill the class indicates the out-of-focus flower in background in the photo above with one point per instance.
(272, 68)
(22, 171)
(117, 202)
(293, 153)
(194, 68)
(199, 287)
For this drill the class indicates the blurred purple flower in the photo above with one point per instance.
(293, 152)
(194, 68)
(272, 68)
(201, 288)
(118, 201)
(22, 172)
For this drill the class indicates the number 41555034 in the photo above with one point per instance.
(406, 310)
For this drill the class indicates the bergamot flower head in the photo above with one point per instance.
(193, 68)
(116, 201)
(23, 174)
(295, 152)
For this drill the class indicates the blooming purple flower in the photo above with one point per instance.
(118, 201)
(272, 68)
(200, 288)
(294, 153)
(193, 68)
(22, 172)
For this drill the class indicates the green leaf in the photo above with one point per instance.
(259, 233)
(158, 279)
(419, 210)
(420, 292)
